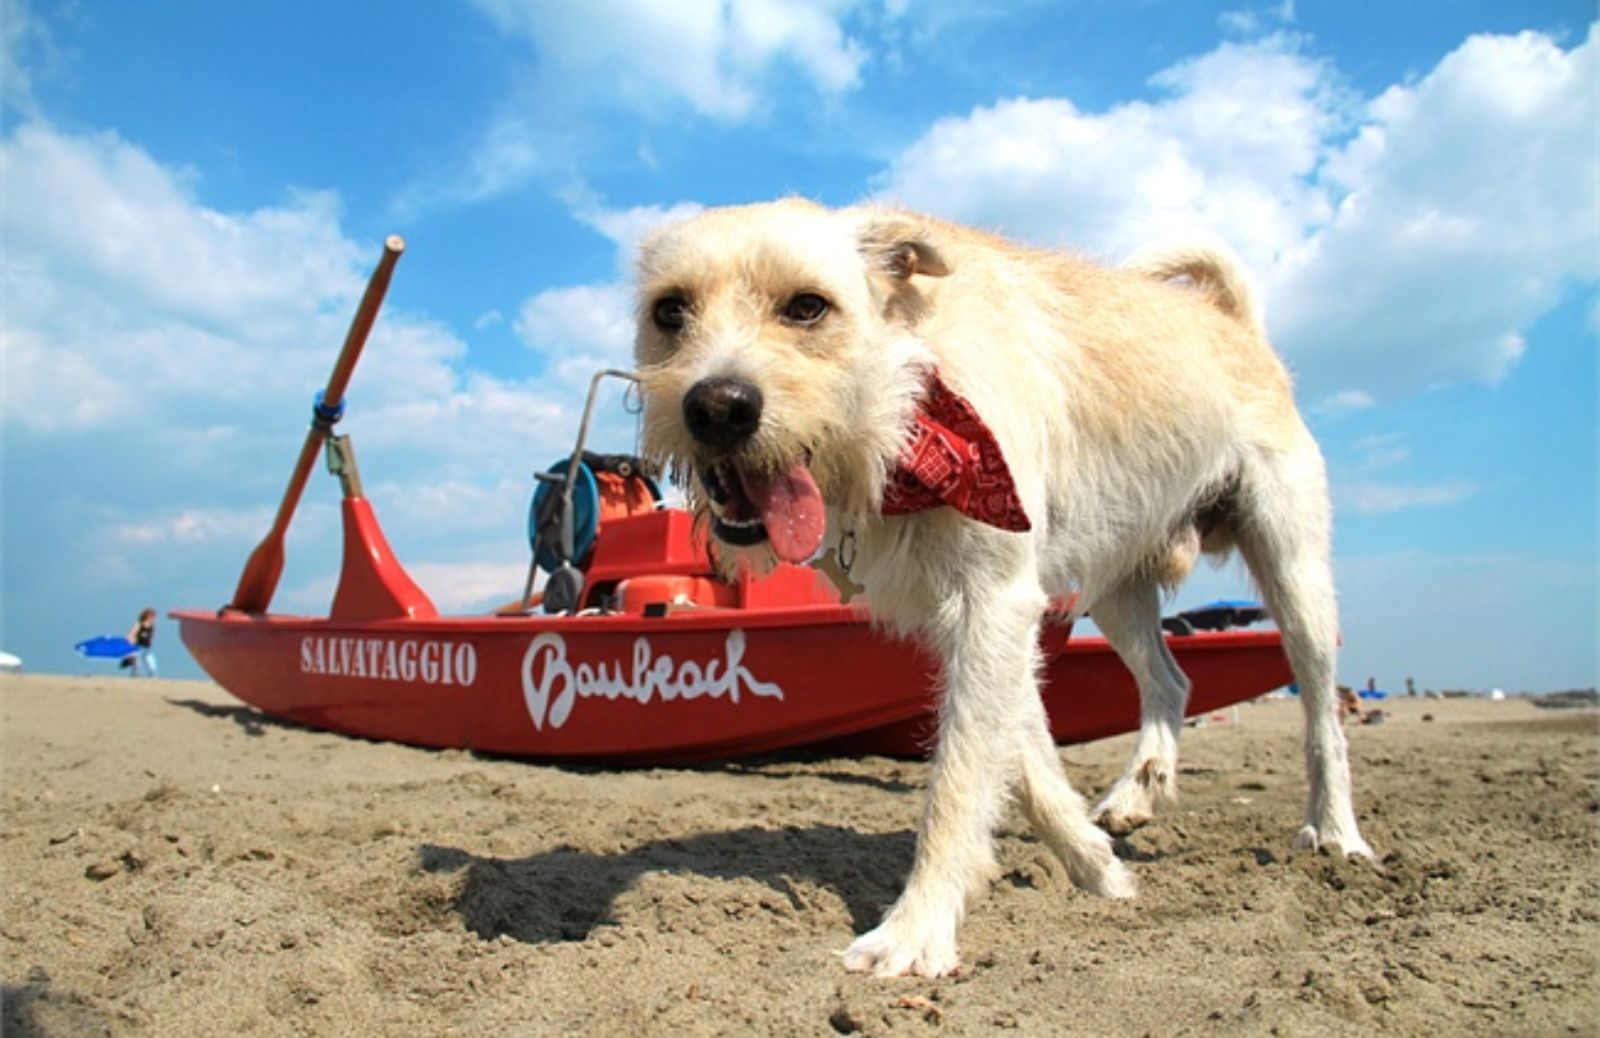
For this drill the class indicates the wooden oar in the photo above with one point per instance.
(265, 565)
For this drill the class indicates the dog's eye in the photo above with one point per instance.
(669, 313)
(805, 308)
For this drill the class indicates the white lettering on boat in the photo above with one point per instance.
(406, 660)
(551, 684)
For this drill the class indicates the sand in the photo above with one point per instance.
(175, 863)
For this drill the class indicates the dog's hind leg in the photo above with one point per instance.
(987, 638)
(1283, 534)
(1130, 618)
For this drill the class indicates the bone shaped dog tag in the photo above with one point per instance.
(838, 575)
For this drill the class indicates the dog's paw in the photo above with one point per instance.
(1328, 839)
(1118, 817)
(887, 952)
(1134, 799)
(1093, 866)
(1106, 878)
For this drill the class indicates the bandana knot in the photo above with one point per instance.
(953, 459)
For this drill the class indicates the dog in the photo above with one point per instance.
(987, 426)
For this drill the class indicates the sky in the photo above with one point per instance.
(194, 194)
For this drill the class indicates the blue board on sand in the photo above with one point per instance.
(106, 646)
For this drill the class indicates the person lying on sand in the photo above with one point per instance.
(1350, 706)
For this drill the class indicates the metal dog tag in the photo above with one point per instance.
(835, 565)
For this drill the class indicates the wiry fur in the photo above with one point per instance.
(1144, 418)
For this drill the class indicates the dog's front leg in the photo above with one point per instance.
(987, 640)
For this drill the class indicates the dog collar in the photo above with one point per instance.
(954, 460)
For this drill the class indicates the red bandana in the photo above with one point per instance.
(953, 460)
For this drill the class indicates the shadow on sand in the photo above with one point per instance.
(250, 720)
(564, 894)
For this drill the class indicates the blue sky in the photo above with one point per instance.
(194, 193)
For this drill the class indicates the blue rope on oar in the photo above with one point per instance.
(323, 417)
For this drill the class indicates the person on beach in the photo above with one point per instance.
(1350, 706)
(143, 635)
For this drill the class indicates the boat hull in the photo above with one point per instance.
(692, 685)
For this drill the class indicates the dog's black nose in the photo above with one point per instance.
(722, 412)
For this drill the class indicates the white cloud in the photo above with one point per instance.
(1370, 497)
(625, 227)
(713, 55)
(164, 353)
(513, 150)
(508, 155)
(130, 301)
(470, 587)
(192, 526)
(1239, 22)
(1400, 243)
(454, 588)
(122, 291)
(582, 328)
(132, 226)
(727, 60)
(1467, 206)
(1230, 148)
(1369, 478)
(478, 428)
(50, 388)
(1249, 21)
(1346, 400)
(579, 329)
(24, 42)
(463, 506)
(1381, 451)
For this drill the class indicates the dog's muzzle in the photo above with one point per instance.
(750, 504)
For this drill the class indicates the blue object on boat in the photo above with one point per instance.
(1215, 616)
(106, 647)
(544, 515)
(1372, 693)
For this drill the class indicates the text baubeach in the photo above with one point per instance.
(551, 684)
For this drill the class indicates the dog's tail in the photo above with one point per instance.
(1210, 267)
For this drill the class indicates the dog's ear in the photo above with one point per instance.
(897, 244)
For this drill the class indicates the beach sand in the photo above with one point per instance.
(175, 863)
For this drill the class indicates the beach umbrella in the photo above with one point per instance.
(106, 647)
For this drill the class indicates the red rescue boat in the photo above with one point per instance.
(634, 652)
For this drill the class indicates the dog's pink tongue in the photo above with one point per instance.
(791, 510)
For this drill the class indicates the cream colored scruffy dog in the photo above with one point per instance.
(789, 355)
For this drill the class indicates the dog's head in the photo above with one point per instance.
(780, 365)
